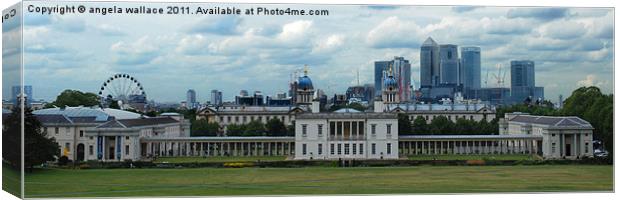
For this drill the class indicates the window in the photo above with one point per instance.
(126, 137)
(260, 118)
(586, 135)
(91, 137)
(587, 147)
(373, 129)
(471, 117)
(426, 117)
(346, 149)
(56, 130)
(282, 118)
(389, 148)
(354, 149)
(304, 130)
(361, 148)
(81, 133)
(320, 149)
(339, 149)
(229, 120)
(332, 129)
(449, 117)
(303, 149)
(553, 147)
(552, 135)
(126, 149)
(320, 127)
(221, 119)
(267, 118)
(236, 118)
(90, 150)
(373, 149)
(251, 118)
(389, 128)
(331, 149)
(244, 119)
(361, 128)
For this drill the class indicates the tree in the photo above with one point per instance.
(291, 129)
(419, 126)
(235, 130)
(441, 125)
(203, 128)
(254, 128)
(38, 148)
(275, 127)
(75, 98)
(404, 125)
(595, 107)
(465, 127)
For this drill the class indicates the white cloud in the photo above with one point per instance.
(591, 80)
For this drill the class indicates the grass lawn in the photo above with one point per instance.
(473, 157)
(317, 180)
(218, 159)
(11, 182)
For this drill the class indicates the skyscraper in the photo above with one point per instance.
(401, 70)
(522, 83)
(470, 68)
(380, 68)
(191, 99)
(449, 64)
(16, 90)
(429, 64)
(216, 97)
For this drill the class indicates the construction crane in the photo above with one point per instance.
(500, 77)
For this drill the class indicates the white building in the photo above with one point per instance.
(562, 137)
(346, 136)
(77, 130)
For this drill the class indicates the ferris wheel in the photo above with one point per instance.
(123, 88)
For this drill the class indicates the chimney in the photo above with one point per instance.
(315, 107)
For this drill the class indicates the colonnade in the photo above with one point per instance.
(493, 146)
(220, 148)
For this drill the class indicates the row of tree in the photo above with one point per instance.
(441, 125)
(273, 127)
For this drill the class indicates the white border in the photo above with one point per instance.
(564, 3)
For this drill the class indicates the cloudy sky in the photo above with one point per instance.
(571, 47)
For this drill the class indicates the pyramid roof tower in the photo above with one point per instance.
(429, 42)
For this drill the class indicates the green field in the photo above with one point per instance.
(218, 159)
(317, 180)
(11, 182)
(474, 157)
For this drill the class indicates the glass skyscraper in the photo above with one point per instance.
(470, 67)
(449, 64)
(429, 63)
(401, 70)
(522, 83)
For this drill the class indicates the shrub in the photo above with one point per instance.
(63, 160)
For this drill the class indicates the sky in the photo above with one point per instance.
(169, 54)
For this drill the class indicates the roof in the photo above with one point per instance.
(346, 110)
(170, 114)
(570, 121)
(256, 109)
(128, 123)
(227, 138)
(447, 137)
(99, 113)
(429, 42)
(53, 119)
(413, 107)
(358, 115)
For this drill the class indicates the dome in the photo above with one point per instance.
(390, 82)
(304, 83)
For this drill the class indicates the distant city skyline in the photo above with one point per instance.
(571, 47)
